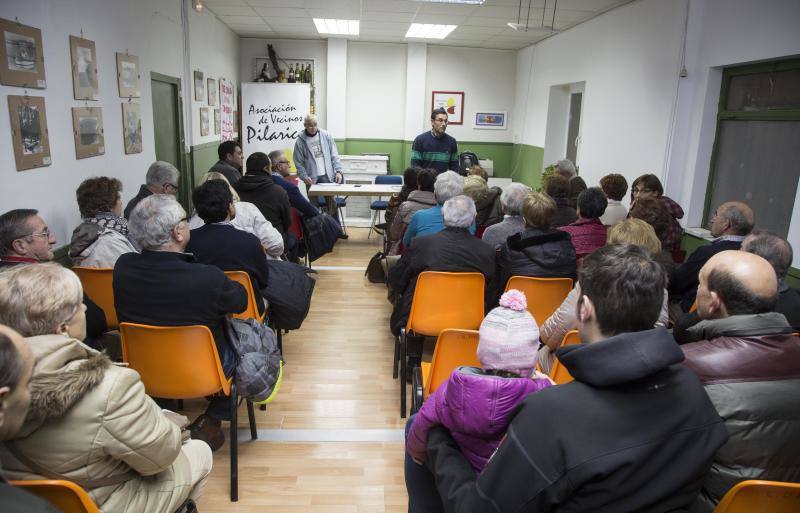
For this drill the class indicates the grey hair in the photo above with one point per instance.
(459, 212)
(309, 118)
(448, 185)
(153, 219)
(161, 172)
(740, 223)
(566, 166)
(35, 299)
(274, 155)
(513, 197)
(771, 247)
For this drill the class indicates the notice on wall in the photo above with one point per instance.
(226, 106)
(272, 116)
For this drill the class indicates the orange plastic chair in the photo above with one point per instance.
(442, 300)
(762, 497)
(559, 373)
(65, 496)
(693, 307)
(243, 279)
(179, 362)
(97, 285)
(544, 295)
(454, 348)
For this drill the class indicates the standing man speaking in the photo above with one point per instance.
(315, 156)
(435, 149)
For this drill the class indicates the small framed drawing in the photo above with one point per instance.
(199, 87)
(204, 121)
(132, 127)
(128, 75)
(21, 55)
(211, 89)
(87, 126)
(452, 102)
(84, 68)
(491, 119)
(216, 122)
(29, 131)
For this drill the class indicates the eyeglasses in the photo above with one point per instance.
(44, 233)
(283, 162)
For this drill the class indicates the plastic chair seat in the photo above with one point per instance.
(559, 373)
(96, 283)
(379, 205)
(65, 496)
(762, 497)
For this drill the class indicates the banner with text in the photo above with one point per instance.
(272, 116)
(226, 109)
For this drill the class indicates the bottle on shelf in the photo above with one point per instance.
(263, 77)
(309, 75)
(291, 74)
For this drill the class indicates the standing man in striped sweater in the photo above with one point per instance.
(435, 149)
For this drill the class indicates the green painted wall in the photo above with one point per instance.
(527, 164)
(203, 156)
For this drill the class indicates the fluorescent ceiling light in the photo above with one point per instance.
(470, 2)
(337, 27)
(426, 31)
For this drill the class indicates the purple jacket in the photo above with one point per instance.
(475, 407)
(587, 235)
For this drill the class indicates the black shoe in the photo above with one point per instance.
(343, 236)
(208, 430)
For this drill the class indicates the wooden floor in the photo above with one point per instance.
(338, 378)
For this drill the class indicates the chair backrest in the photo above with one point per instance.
(174, 362)
(693, 307)
(454, 348)
(761, 497)
(97, 285)
(65, 496)
(558, 372)
(243, 279)
(388, 180)
(544, 295)
(446, 300)
(296, 228)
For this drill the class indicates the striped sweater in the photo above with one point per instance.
(440, 153)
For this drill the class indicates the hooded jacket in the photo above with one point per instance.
(417, 200)
(488, 208)
(635, 432)
(90, 419)
(750, 366)
(93, 245)
(258, 188)
(476, 408)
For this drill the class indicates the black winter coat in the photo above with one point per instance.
(258, 188)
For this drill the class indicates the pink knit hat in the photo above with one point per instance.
(509, 336)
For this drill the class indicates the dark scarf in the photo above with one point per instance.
(112, 222)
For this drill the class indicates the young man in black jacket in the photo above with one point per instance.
(634, 432)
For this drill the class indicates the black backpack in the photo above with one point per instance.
(466, 160)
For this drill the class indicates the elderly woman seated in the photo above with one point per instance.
(487, 200)
(420, 199)
(90, 421)
(649, 186)
(552, 331)
(557, 187)
(429, 221)
(588, 232)
(102, 235)
(511, 201)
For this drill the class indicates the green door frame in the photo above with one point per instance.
(184, 192)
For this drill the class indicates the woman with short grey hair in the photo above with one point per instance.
(511, 201)
(152, 221)
(429, 221)
(448, 185)
(458, 212)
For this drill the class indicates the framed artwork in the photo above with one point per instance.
(21, 55)
(216, 121)
(87, 126)
(491, 119)
(84, 68)
(132, 127)
(204, 121)
(212, 91)
(452, 102)
(128, 75)
(199, 87)
(29, 131)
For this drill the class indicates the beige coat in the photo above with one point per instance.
(90, 419)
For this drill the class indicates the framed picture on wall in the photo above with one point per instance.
(452, 102)
(212, 91)
(199, 87)
(87, 127)
(132, 127)
(216, 122)
(29, 132)
(84, 68)
(204, 121)
(491, 119)
(128, 75)
(21, 55)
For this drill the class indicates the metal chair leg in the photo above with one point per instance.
(252, 416)
(403, 349)
(396, 357)
(234, 441)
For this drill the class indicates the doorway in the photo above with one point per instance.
(168, 129)
(574, 123)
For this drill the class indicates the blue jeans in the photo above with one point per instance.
(423, 497)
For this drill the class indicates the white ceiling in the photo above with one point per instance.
(482, 26)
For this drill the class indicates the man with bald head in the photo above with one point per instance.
(731, 222)
(749, 362)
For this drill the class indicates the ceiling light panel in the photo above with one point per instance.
(428, 31)
(468, 2)
(337, 27)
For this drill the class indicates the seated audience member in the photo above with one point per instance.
(649, 186)
(219, 243)
(230, 161)
(91, 421)
(163, 286)
(26, 239)
(102, 235)
(511, 201)
(258, 187)
(627, 231)
(410, 185)
(479, 171)
(280, 170)
(248, 218)
(730, 224)
(634, 432)
(161, 178)
(16, 367)
(537, 251)
(557, 187)
(614, 186)
(487, 200)
(566, 168)
(748, 361)
(654, 213)
(475, 404)
(422, 198)
(449, 184)
(588, 233)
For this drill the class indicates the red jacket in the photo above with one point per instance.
(587, 235)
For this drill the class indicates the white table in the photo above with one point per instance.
(354, 189)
